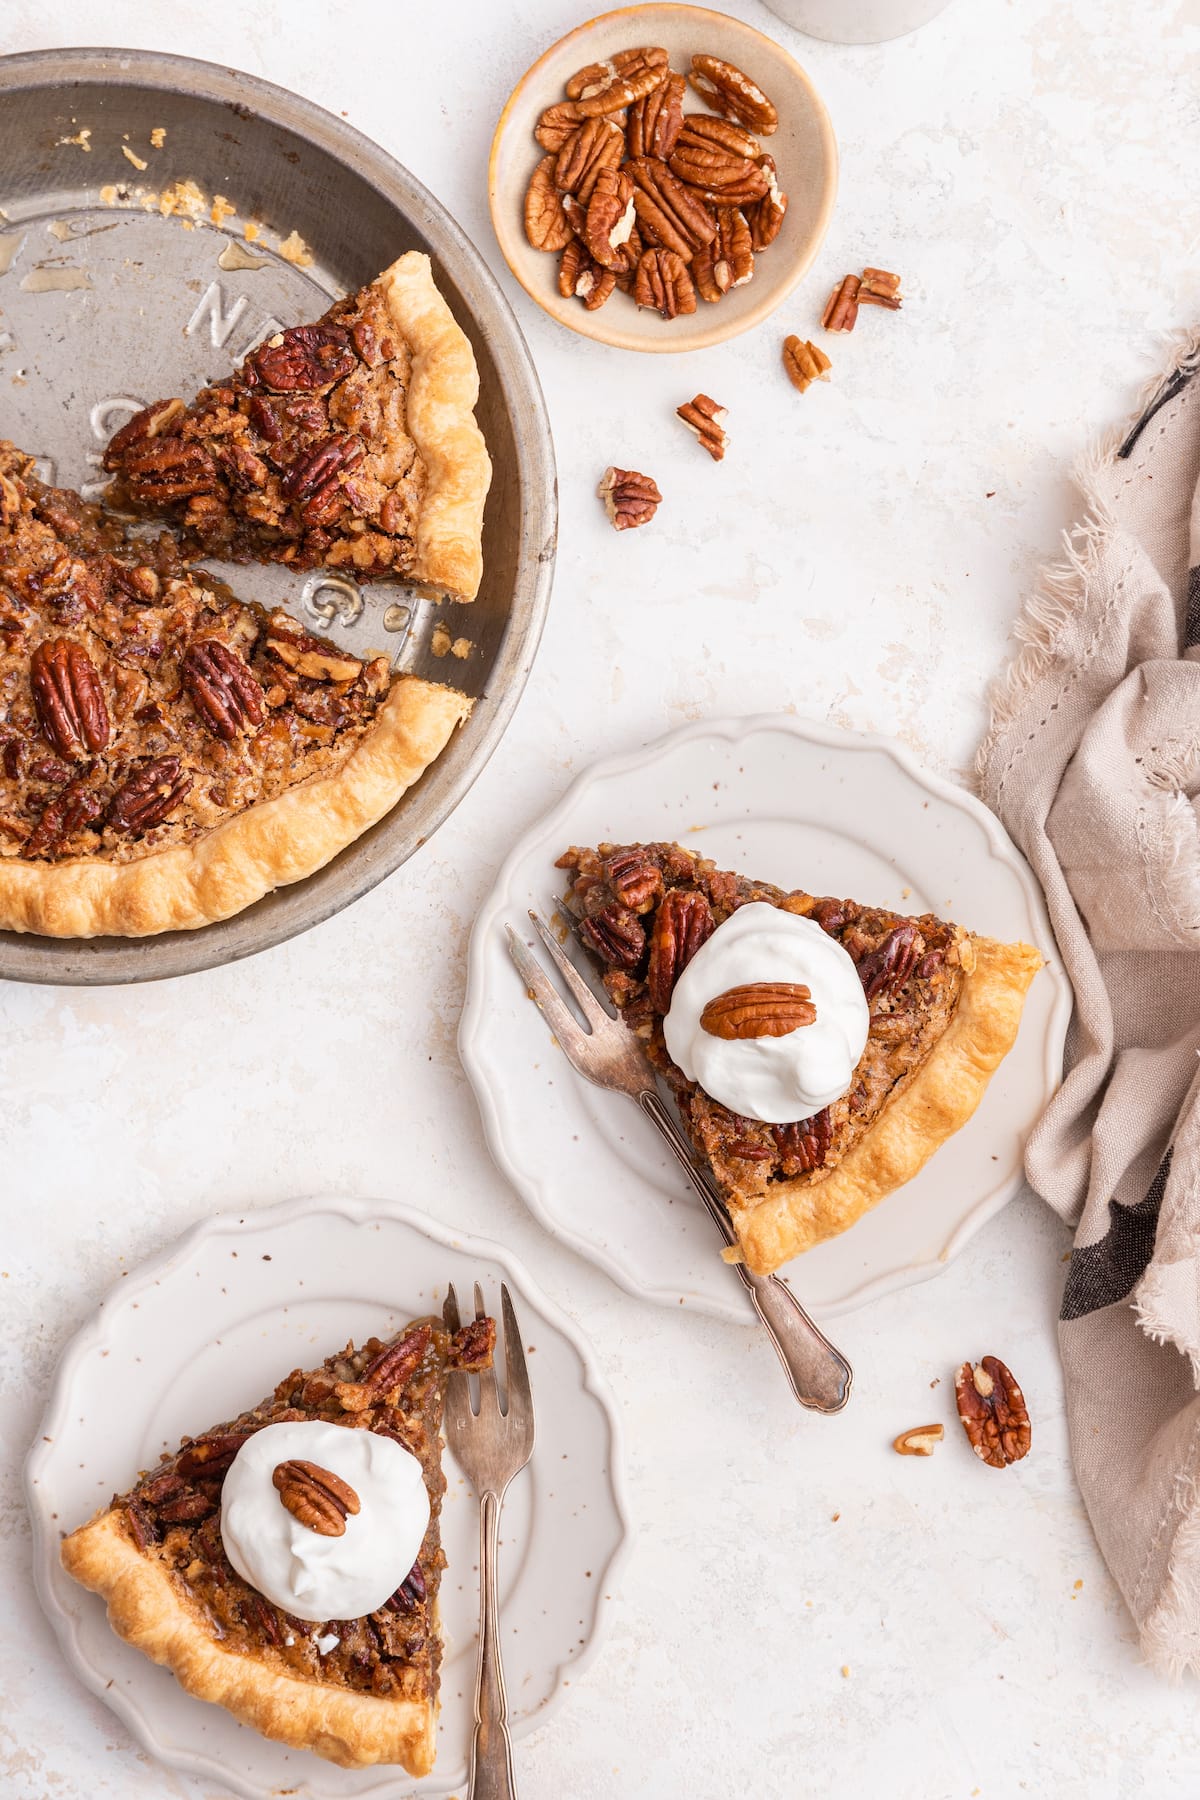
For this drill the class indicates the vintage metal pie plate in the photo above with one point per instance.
(122, 278)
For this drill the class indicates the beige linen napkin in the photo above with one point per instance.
(1093, 763)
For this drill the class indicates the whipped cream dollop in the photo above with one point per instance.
(312, 1576)
(773, 1079)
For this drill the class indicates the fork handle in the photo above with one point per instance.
(818, 1374)
(491, 1748)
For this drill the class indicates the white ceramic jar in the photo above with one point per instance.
(856, 21)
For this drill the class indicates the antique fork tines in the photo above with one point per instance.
(608, 1054)
(491, 1445)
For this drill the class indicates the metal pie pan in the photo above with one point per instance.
(113, 293)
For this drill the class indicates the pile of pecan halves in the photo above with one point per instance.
(633, 193)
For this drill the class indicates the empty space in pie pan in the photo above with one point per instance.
(126, 275)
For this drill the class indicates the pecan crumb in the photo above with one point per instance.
(804, 363)
(707, 420)
(920, 1440)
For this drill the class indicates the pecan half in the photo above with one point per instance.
(579, 274)
(728, 91)
(766, 218)
(719, 159)
(397, 1363)
(546, 223)
(307, 655)
(707, 420)
(69, 698)
(669, 214)
(596, 144)
(921, 1440)
(410, 1595)
(884, 970)
(804, 1145)
(728, 262)
(316, 1496)
(662, 281)
(306, 359)
(841, 309)
(630, 499)
(634, 879)
(556, 125)
(656, 120)
(211, 1455)
(682, 924)
(144, 425)
(616, 935)
(187, 1508)
(608, 86)
(149, 796)
(168, 468)
(609, 223)
(314, 468)
(803, 363)
(221, 688)
(71, 811)
(993, 1411)
(759, 1009)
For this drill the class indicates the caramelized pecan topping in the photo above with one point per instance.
(69, 698)
(223, 690)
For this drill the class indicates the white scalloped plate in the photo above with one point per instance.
(208, 1328)
(800, 804)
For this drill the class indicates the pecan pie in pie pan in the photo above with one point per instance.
(165, 222)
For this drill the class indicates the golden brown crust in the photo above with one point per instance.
(267, 846)
(939, 1097)
(440, 415)
(145, 1608)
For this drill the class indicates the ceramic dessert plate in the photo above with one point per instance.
(207, 1329)
(799, 804)
(803, 148)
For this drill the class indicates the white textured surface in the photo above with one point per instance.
(860, 554)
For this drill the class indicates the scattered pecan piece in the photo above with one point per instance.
(609, 223)
(616, 935)
(730, 92)
(581, 275)
(629, 499)
(880, 288)
(993, 1411)
(149, 796)
(663, 282)
(611, 85)
(546, 223)
(69, 698)
(556, 125)
(885, 970)
(728, 262)
(804, 1145)
(671, 217)
(841, 309)
(222, 689)
(596, 144)
(921, 1440)
(656, 120)
(683, 922)
(307, 359)
(316, 1496)
(707, 420)
(758, 1009)
(804, 363)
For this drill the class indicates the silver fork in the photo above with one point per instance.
(607, 1053)
(492, 1445)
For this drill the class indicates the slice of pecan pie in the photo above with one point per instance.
(169, 753)
(358, 1689)
(349, 443)
(943, 1008)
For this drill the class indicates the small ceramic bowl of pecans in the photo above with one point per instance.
(662, 177)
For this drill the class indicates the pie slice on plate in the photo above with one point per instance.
(350, 443)
(168, 753)
(847, 1042)
(286, 1564)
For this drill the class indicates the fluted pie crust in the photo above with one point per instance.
(171, 1592)
(945, 1009)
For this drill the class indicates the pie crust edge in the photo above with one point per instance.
(440, 414)
(346, 1727)
(267, 846)
(939, 1098)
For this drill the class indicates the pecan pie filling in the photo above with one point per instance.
(303, 456)
(644, 910)
(141, 703)
(173, 1515)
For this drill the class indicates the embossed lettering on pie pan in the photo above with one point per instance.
(127, 273)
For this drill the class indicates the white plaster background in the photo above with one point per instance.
(1029, 165)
